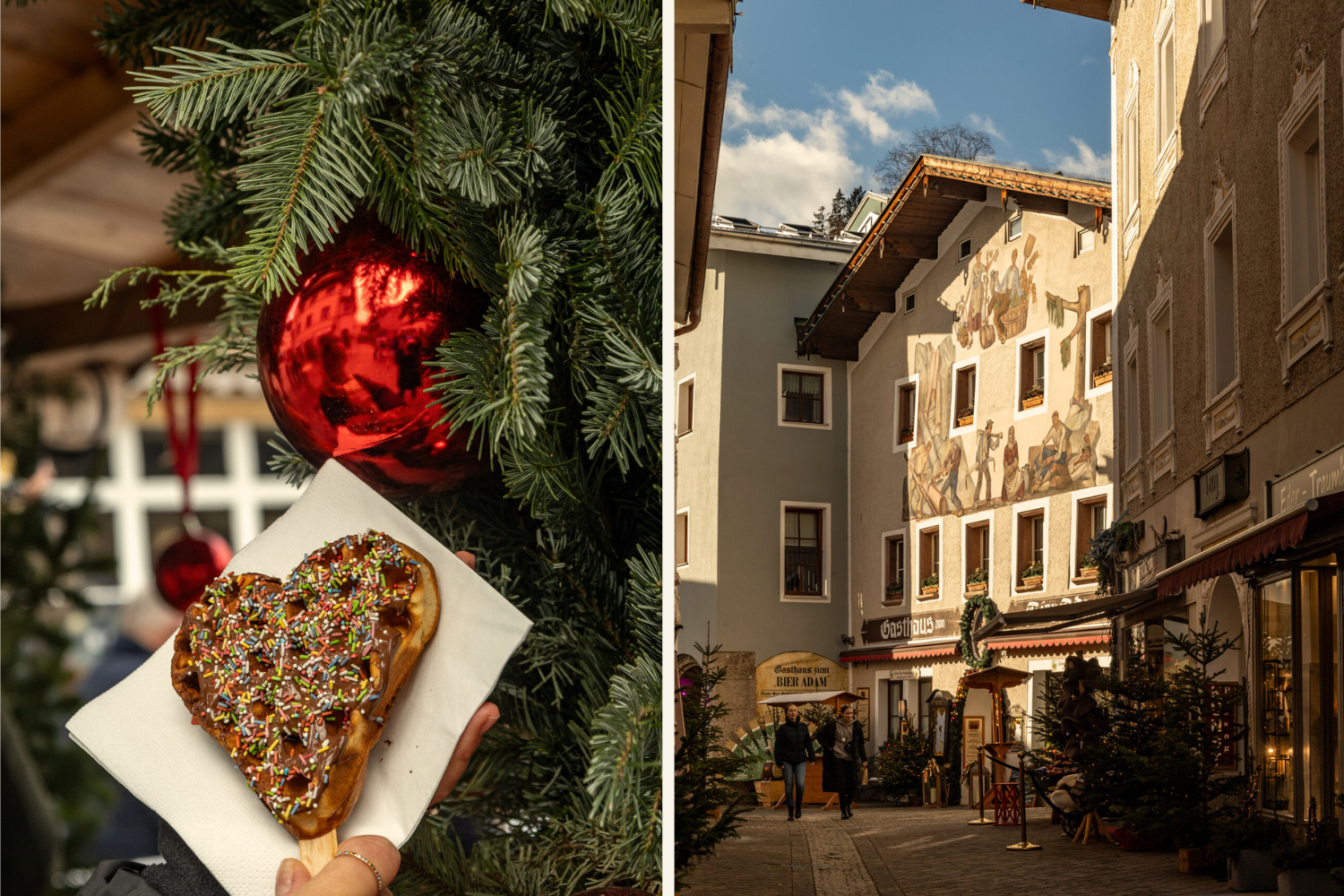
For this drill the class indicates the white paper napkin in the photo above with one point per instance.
(141, 732)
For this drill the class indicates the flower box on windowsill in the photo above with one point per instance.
(894, 597)
(907, 434)
(977, 587)
(1031, 583)
(966, 417)
(1033, 402)
(1102, 375)
(1086, 576)
(929, 591)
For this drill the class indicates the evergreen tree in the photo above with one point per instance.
(704, 761)
(518, 144)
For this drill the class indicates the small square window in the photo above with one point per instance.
(895, 590)
(1087, 241)
(965, 396)
(965, 250)
(907, 414)
(685, 406)
(683, 537)
(1014, 227)
(1032, 388)
(804, 397)
(909, 303)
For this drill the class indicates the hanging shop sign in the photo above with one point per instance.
(796, 672)
(1226, 482)
(1045, 602)
(908, 628)
(1323, 476)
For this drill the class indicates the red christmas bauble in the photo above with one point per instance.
(189, 564)
(341, 360)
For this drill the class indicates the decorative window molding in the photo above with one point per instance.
(1225, 527)
(1213, 80)
(1166, 98)
(1133, 485)
(1161, 382)
(1222, 415)
(1162, 459)
(1305, 319)
(1223, 217)
(1130, 146)
(827, 405)
(1212, 51)
(1256, 7)
(899, 445)
(1132, 412)
(1043, 337)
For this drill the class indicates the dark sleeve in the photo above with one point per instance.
(826, 735)
(182, 873)
(118, 878)
(859, 738)
(807, 742)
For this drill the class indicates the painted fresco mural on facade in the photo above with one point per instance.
(1002, 463)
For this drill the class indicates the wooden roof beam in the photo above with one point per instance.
(955, 189)
(835, 349)
(873, 302)
(1034, 202)
(910, 246)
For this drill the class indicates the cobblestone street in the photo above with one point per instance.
(888, 851)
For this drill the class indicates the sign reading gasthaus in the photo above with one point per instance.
(1323, 476)
(906, 628)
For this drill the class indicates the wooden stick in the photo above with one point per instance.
(317, 853)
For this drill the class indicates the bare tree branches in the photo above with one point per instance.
(953, 140)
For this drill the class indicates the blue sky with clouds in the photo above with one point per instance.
(821, 89)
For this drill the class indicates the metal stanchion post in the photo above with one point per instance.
(1025, 845)
(983, 795)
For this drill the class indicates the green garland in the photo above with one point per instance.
(953, 756)
(973, 606)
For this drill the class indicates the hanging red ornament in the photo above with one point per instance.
(189, 564)
(342, 359)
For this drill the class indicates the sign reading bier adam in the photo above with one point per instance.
(797, 672)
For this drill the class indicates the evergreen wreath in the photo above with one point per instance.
(974, 605)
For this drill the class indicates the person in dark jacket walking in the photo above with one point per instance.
(793, 750)
(843, 756)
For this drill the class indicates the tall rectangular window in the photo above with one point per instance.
(1101, 349)
(685, 406)
(1031, 543)
(1210, 31)
(1092, 519)
(802, 551)
(1031, 389)
(906, 412)
(1163, 418)
(1166, 85)
(1303, 199)
(1131, 150)
(1276, 692)
(895, 590)
(1222, 311)
(1131, 411)
(965, 396)
(803, 397)
(683, 537)
(929, 555)
(977, 548)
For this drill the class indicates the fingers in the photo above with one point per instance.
(468, 558)
(480, 723)
(343, 875)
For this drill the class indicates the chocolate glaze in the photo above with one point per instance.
(280, 669)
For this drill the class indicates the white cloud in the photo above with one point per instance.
(884, 94)
(986, 124)
(739, 113)
(1084, 163)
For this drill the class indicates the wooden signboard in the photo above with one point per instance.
(861, 708)
(797, 672)
(973, 737)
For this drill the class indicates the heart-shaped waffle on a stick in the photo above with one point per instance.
(296, 679)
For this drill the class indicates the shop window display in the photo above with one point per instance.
(1276, 696)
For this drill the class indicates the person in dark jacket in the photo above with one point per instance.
(793, 750)
(843, 756)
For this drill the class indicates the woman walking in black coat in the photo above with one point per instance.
(843, 756)
(793, 750)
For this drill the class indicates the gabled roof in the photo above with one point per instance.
(907, 231)
(869, 207)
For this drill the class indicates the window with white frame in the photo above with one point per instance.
(1014, 227)
(804, 396)
(1101, 349)
(894, 566)
(977, 547)
(1132, 451)
(1211, 32)
(963, 398)
(907, 394)
(1161, 399)
(909, 303)
(964, 252)
(685, 406)
(1131, 159)
(804, 551)
(1222, 307)
(1085, 241)
(683, 536)
(1092, 516)
(1166, 83)
(1031, 548)
(1303, 203)
(1031, 373)
(930, 560)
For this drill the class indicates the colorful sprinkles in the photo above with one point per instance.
(281, 668)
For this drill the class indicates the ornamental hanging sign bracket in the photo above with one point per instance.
(1226, 482)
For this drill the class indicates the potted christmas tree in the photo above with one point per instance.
(1310, 864)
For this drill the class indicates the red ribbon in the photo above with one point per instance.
(186, 446)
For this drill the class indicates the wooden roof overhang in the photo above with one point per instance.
(1092, 9)
(907, 231)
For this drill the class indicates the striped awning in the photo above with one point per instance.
(907, 652)
(1017, 643)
